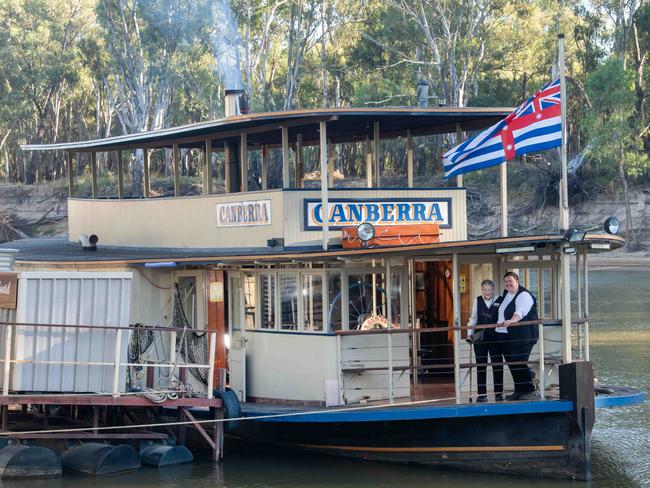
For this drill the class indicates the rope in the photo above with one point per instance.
(216, 421)
(176, 389)
(192, 344)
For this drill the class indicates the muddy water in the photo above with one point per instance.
(620, 337)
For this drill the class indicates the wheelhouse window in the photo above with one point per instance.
(334, 315)
(250, 300)
(288, 301)
(312, 302)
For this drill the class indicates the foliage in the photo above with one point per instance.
(83, 69)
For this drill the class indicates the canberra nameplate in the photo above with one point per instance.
(240, 214)
(386, 211)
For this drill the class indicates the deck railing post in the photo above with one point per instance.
(211, 355)
(116, 366)
(339, 369)
(456, 324)
(390, 367)
(7, 359)
(542, 369)
(172, 354)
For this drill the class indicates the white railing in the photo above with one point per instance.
(378, 352)
(117, 363)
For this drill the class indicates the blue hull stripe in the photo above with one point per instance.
(421, 413)
(604, 401)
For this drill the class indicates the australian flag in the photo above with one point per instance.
(535, 126)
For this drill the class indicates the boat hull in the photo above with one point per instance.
(536, 443)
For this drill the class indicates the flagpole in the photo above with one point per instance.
(564, 192)
(565, 258)
(503, 181)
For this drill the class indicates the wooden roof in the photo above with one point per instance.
(344, 125)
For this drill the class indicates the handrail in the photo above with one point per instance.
(412, 330)
(111, 327)
(117, 364)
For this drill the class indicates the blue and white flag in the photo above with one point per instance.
(535, 126)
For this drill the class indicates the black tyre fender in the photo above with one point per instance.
(231, 407)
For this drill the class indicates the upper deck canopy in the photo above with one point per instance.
(344, 125)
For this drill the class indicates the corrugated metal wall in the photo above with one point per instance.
(71, 298)
(7, 259)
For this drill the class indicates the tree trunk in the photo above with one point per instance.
(630, 235)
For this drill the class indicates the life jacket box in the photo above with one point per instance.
(393, 235)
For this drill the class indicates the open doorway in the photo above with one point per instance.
(434, 310)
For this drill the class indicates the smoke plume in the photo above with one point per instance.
(225, 44)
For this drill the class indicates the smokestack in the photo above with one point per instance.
(232, 102)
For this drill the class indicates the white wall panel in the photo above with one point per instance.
(71, 298)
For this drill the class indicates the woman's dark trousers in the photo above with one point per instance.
(492, 347)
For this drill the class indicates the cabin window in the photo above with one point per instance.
(250, 301)
(267, 300)
(288, 301)
(312, 302)
(187, 294)
(395, 298)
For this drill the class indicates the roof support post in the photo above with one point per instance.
(456, 323)
(227, 155)
(585, 274)
(503, 180)
(70, 176)
(93, 173)
(565, 299)
(368, 151)
(147, 186)
(460, 181)
(120, 175)
(243, 161)
(375, 152)
(207, 168)
(176, 168)
(323, 184)
(330, 164)
(409, 158)
(286, 178)
(299, 164)
(265, 163)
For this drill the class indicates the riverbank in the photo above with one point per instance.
(41, 210)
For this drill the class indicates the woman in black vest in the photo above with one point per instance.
(486, 311)
(518, 304)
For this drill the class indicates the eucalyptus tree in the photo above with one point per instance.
(39, 58)
(142, 38)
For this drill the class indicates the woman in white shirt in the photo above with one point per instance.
(518, 304)
(485, 311)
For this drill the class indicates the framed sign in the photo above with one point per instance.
(8, 290)
(347, 212)
(244, 214)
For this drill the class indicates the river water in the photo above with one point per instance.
(620, 338)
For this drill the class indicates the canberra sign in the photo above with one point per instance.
(344, 212)
(240, 214)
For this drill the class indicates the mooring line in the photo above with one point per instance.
(215, 421)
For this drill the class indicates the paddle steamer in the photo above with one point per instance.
(340, 312)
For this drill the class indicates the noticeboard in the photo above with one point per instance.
(8, 290)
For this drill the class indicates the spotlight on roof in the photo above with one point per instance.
(612, 225)
(575, 235)
(365, 232)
